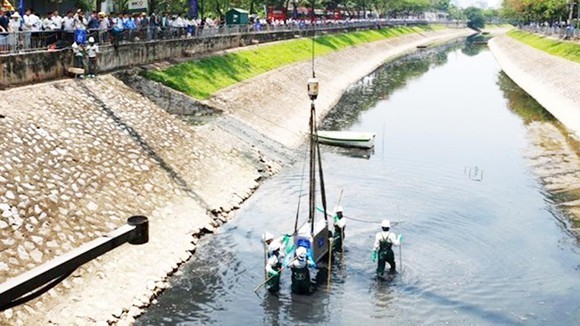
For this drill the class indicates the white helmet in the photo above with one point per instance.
(385, 224)
(301, 253)
(338, 209)
(275, 245)
(91, 39)
(267, 236)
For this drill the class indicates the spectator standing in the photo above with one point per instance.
(144, 25)
(51, 30)
(154, 25)
(92, 52)
(118, 28)
(80, 22)
(31, 24)
(47, 22)
(14, 30)
(104, 25)
(4, 20)
(78, 57)
(93, 23)
(57, 21)
(68, 22)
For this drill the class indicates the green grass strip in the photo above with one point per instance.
(563, 49)
(202, 78)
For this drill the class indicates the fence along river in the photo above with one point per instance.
(482, 239)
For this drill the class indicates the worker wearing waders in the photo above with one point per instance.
(273, 267)
(268, 238)
(339, 225)
(383, 248)
(300, 273)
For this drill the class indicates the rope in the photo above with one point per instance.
(321, 175)
(368, 221)
(300, 194)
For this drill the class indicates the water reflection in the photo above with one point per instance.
(351, 151)
(521, 103)
(384, 81)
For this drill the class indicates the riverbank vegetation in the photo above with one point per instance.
(563, 49)
(202, 78)
(547, 11)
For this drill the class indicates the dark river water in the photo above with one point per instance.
(482, 241)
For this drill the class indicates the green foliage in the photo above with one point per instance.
(535, 10)
(201, 78)
(475, 18)
(564, 49)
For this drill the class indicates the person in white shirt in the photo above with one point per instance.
(68, 22)
(274, 267)
(31, 23)
(383, 248)
(80, 21)
(301, 283)
(57, 20)
(92, 52)
(14, 29)
(47, 22)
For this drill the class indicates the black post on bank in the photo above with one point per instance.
(39, 280)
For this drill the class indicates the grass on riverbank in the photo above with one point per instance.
(202, 78)
(563, 49)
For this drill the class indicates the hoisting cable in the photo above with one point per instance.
(300, 193)
(321, 176)
(312, 197)
(360, 220)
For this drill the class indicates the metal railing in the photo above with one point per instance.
(564, 33)
(37, 281)
(21, 42)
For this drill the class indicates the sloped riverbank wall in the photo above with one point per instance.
(80, 156)
(550, 80)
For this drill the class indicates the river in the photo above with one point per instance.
(482, 239)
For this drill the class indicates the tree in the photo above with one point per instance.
(475, 18)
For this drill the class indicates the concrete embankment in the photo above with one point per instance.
(552, 82)
(79, 157)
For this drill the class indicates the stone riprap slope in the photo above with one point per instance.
(550, 80)
(78, 158)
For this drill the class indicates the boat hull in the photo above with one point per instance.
(347, 138)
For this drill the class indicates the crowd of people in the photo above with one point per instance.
(19, 33)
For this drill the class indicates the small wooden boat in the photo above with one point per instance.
(347, 138)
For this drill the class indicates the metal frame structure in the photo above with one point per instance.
(37, 281)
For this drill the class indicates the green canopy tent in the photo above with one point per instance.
(236, 16)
